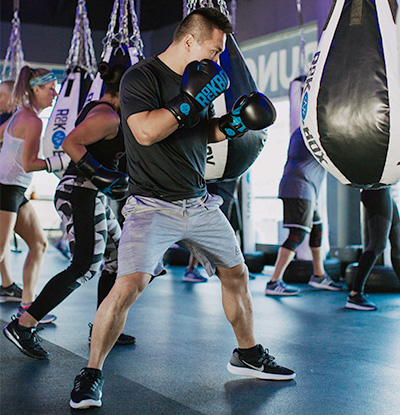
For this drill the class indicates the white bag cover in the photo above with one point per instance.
(351, 100)
(63, 116)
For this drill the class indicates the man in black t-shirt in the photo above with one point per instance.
(164, 114)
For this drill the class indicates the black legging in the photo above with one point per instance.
(382, 223)
(93, 235)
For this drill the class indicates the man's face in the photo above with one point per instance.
(210, 48)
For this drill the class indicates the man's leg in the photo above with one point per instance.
(318, 262)
(249, 359)
(237, 303)
(283, 259)
(111, 315)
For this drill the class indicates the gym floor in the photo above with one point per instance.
(347, 362)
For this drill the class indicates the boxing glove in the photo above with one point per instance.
(57, 162)
(112, 183)
(202, 82)
(253, 112)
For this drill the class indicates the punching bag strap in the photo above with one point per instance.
(356, 12)
(393, 8)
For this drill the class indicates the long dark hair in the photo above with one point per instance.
(111, 75)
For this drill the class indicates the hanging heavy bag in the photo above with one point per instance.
(351, 98)
(229, 160)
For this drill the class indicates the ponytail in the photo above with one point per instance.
(23, 93)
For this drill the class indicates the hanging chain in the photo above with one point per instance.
(190, 5)
(111, 26)
(302, 60)
(122, 36)
(81, 53)
(136, 38)
(14, 59)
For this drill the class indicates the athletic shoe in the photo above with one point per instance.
(193, 275)
(48, 318)
(87, 391)
(123, 339)
(324, 282)
(13, 293)
(280, 288)
(360, 302)
(264, 367)
(26, 339)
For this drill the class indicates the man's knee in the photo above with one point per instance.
(131, 285)
(233, 276)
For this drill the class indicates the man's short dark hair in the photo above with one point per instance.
(201, 23)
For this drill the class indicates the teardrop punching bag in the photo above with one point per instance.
(229, 159)
(351, 99)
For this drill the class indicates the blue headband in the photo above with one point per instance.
(43, 80)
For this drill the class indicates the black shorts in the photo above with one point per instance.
(12, 197)
(300, 213)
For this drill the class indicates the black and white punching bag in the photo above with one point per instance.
(228, 160)
(350, 109)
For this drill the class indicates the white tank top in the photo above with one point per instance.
(11, 170)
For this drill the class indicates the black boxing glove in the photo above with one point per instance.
(254, 112)
(202, 82)
(112, 183)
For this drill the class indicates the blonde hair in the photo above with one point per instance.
(23, 93)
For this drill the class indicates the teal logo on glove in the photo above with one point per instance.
(213, 89)
(184, 109)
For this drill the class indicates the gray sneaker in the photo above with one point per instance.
(13, 293)
(280, 288)
(324, 283)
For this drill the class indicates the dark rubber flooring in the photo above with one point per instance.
(347, 362)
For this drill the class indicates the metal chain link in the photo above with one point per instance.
(122, 36)
(14, 59)
(81, 53)
(190, 5)
(302, 60)
(136, 38)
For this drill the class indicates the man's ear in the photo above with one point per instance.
(189, 40)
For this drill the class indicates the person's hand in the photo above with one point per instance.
(202, 82)
(253, 112)
(112, 183)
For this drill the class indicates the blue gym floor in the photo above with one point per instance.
(347, 362)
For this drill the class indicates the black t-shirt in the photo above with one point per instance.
(172, 169)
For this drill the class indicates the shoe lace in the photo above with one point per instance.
(267, 359)
(86, 381)
(33, 332)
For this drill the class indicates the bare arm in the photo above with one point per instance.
(33, 131)
(149, 127)
(101, 123)
(214, 133)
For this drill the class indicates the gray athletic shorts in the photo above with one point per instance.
(152, 226)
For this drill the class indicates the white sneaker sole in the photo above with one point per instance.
(323, 286)
(86, 403)
(7, 299)
(353, 306)
(242, 371)
(280, 293)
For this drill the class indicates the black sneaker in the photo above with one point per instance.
(87, 390)
(26, 339)
(13, 293)
(123, 339)
(360, 302)
(264, 367)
